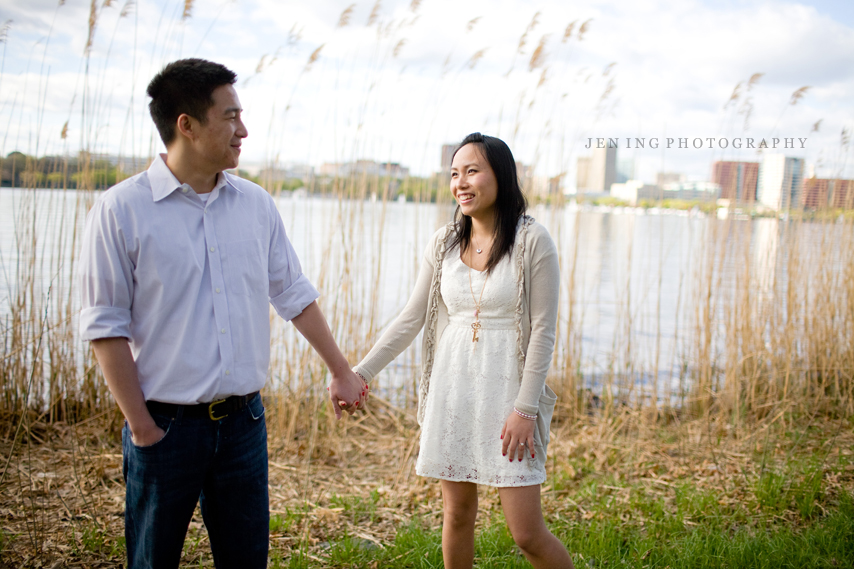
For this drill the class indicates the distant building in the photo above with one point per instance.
(625, 170)
(598, 172)
(582, 172)
(738, 180)
(603, 169)
(780, 182)
(126, 164)
(691, 191)
(302, 172)
(447, 156)
(369, 168)
(634, 190)
(555, 185)
(820, 193)
(525, 173)
(664, 178)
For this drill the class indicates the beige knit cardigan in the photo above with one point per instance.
(538, 278)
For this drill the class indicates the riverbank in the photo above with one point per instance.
(621, 492)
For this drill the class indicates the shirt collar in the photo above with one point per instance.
(163, 181)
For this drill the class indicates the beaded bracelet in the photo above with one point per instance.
(525, 415)
(362, 377)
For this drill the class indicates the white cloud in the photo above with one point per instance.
(676, 66)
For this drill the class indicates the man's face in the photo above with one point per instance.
(218, 140)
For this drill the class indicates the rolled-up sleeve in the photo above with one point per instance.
(290, 290)
(106, 277)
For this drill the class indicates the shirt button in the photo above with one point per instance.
(217, 290)
(184, 189)
(222, 331)
(228, 372)
(212, 249)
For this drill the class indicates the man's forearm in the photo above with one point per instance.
(116, 361)
(312, 325)
(346, 391)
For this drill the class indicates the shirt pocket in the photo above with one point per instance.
(244, 269)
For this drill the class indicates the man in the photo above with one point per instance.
(178, 266)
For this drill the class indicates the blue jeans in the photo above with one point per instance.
(221, 463)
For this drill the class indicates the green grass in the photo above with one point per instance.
(98, 541)
(631, 528)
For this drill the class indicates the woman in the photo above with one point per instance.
(488, 293)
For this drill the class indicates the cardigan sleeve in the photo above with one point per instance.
(545, 290)
(406, 326)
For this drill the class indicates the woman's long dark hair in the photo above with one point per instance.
(510, 202)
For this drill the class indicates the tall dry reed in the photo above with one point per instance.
(775, 337)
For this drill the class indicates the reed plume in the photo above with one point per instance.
(344, 18)
(754, 79)
(798, 95)
(4, 31)
(520, 49)
(398, 47)
(472, 62)
(315, 55)
(375, 13)
(188, 10)
(127, 8)
(93, 22)
(736, 93)
(583, 29)
(260, 67)
(567, 33)
(538, 57)
(294, 36)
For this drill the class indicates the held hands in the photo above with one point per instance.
(517, 437)
(347, 392)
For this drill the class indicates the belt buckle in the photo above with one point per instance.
(211, 410)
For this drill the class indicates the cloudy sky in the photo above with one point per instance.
(393, 80)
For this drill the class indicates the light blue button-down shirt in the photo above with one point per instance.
(188, 282)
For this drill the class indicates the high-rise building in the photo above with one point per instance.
(582, 173)
(738, 180)
(820, 193)
(603, 169)
(596, 173)
(780, 181)
(447, 156)
(625, 170)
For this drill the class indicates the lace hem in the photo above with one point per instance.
(494, 480)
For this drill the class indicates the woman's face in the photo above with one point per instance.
(473, 182)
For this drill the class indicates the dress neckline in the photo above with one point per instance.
(460, 257)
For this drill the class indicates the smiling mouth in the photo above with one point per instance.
(465, 198)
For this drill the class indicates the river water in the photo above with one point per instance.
(632, 276)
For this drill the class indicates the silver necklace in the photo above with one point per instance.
(476, 248)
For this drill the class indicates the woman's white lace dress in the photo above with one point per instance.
(474, 384)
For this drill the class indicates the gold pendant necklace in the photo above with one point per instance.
(476, 326)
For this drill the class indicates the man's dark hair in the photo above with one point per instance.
(185, 87)
(510, 202)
